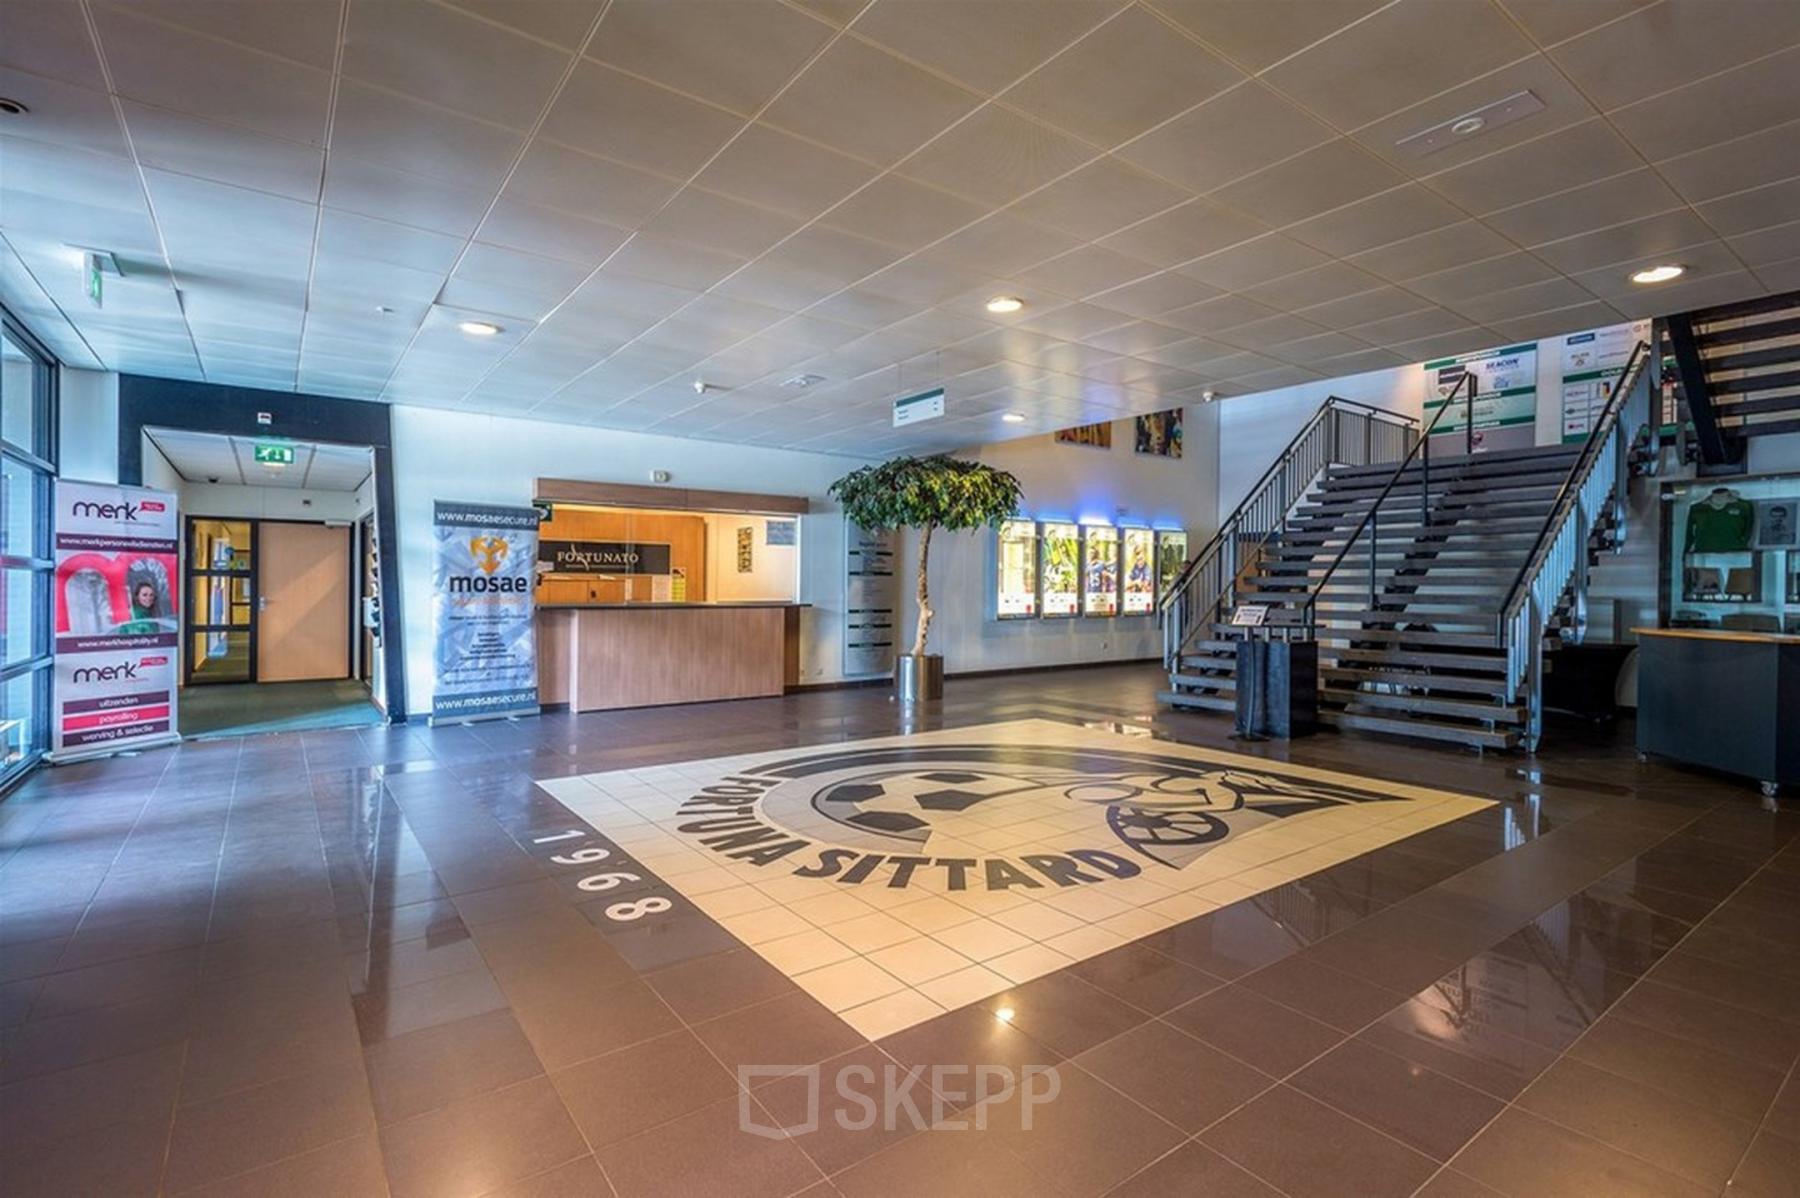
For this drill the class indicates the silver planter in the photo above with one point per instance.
(918, 677)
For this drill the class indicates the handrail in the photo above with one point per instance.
(1421, 445)
(1578, 474)
(1339, 432)
(1281, 460)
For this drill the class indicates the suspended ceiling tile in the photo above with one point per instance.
(869, 104)
(734, 53)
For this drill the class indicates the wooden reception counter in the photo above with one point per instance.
(601, 657)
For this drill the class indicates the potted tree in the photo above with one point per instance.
(925, 494)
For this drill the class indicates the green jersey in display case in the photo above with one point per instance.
(1016, 596)
(1100, 588)
(1720, 523)
(1140, 571)
(1059, 552)
(1730, 559)
(1171, 557)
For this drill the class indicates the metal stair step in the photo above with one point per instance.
(1425, 704)
(1455, 733)
(1466, 663)
(1462, 684)
(1745, 334)
(1395, 636)
(1200, 702)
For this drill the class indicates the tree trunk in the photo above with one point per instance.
(924, 593)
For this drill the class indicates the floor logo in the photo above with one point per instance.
(903, 814)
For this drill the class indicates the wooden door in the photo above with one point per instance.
(303, 627)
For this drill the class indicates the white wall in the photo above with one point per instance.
(494, 459)
(88, 428)
(1067, 482)
(774, 572)
(263, 503)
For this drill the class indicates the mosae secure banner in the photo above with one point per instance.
(118, 619)
(484, 649)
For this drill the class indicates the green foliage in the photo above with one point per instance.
(926, 493)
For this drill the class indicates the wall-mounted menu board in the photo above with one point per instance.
(1140, 571)
(1018, 570)
(871, 594)
(1059, 552)
(1171, 556)
(1100, 587)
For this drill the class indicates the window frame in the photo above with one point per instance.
(39, 458)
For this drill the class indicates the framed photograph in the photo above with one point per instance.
(746, 547)
(1094, 436)
(1159, 434)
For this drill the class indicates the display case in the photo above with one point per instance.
(1059, 569)
(1171, 557)
(1139, 571)
(1100, 570)
(1730, 559)
(1016, 589)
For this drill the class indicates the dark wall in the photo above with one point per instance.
(212, 408)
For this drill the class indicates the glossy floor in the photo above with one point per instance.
(348, 962)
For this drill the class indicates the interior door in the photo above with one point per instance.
(303, 625)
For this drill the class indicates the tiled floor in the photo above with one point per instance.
(342, 963)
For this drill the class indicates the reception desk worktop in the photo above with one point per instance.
(601, 657)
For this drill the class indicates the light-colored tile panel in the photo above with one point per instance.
(735, 53)
(867, 103)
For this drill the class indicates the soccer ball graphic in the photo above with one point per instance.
(909, 804)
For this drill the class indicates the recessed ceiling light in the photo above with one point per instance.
(1014, 418)
(478, 328)
(1468, 125)
(12, 107)
(1005, 303)
(1658, 274)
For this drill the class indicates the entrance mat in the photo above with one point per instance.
(898, 877)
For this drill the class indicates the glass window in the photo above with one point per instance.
(21, 509)
(1140, 572)
(18, 394)
(1734, 554)
(1017, 596)
(21, 737)
(1060, 551)
(1100, 590)
(20, 628)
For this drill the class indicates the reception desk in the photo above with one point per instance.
(1722, 699)
(602, 657)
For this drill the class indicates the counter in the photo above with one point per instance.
(602, 657)
(1722, 699)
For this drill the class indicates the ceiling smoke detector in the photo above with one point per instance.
(1000, 305)
(803, 380)
(1208, 396)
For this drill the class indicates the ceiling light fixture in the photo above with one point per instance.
(1014, 418)
(1468, 125)
(1658, 274)
(479, 328)
(1002, 304)
(1208, 396)
(12, 107)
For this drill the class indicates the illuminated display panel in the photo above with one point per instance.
(1140, 571)
(1018, 573)
(1171, 556)
(1100, 568)
(1059, 551)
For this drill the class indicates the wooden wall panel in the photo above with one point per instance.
(685, 536)
(568, 490)
(648, 656)
(555, 634)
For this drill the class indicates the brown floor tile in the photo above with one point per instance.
(240, 1055)
(1328, 995)
(1684, 1068)
(1521, 1154)
(1082, 1137)
(718, 984)
(1696, 1142)
(429, 1068)
(346, 1169)
(46, 1045)
(1255, 1030)
(1421, 1108)
(1486, 1058)
(121, 1160)
(579, 1178)
(133, 979)
(865, 1102)
(392, 966)
(1769, 1169)
(1755, 988)
(1176, 1076)
(1194, 1169)
(1716, 1025)
(1145, 978)
(968, 1037)
(1227, 943)
(623, 1093)
(1305, 1148)
(137, 1087)
(568, 1019)
(383, 1014)
(481, 1143)
(705, 1152)
(241, 1131)
(1065, 1013)
(793, 1031)
(941, 1162)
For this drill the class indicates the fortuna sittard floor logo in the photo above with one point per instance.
(881, 816)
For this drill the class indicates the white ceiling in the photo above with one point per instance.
(1191, 194)
(210, 457)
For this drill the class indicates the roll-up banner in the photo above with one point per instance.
(485, 651)
(118, 619)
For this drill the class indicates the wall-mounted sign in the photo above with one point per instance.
(1591, 363)
(1140, 571)
(871, 596)
(1095, 436)
(1159, 434)
(1059, 569)
(1171, 558)
(1100, 570)
(746, 550)
(1249, 615)
(1016, 593)
(1505, 391)
(271, 454)
(603, 557)
(927, 405)
(781, 532)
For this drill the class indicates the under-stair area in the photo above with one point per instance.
(1736, 368)
(1433, 584)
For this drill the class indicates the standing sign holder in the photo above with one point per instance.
(483, 590)
(118, 619)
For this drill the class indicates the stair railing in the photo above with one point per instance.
(1595, 491)
(1342, 432)
(1371, 521)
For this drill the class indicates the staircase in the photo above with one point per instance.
(1430, 582)
(1737, 367)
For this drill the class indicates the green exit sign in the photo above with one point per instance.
(274, 455)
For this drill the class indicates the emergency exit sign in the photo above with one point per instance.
(274, 455)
